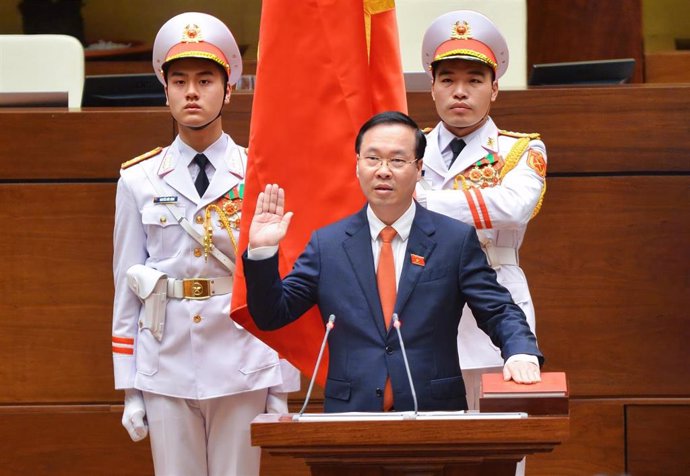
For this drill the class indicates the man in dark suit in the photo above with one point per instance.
(432, 265)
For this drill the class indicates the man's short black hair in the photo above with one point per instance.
(394, 117)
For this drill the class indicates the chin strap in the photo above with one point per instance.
(198, 128)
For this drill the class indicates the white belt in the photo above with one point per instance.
(199, 288)
(500, 255)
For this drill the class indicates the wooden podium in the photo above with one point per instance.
(487, 447)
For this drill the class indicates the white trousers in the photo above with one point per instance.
(204, 437)
(473, 380)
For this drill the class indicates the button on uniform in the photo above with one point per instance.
(163, 219)
(197, 252)
(197, 319)
(199, 219)
(379, 392)
(389, 350)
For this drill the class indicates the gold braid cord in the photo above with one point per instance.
(456, 182)
(208, 229)
(512, 159)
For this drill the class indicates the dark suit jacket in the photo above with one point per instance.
(336, 272)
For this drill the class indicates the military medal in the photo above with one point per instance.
(231, 204)
(228, 208)
(482, 174)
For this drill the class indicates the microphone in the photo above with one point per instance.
(396, 324)
(329, 327)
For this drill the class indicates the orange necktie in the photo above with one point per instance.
(385, 279)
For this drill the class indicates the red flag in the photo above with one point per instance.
(325, 67)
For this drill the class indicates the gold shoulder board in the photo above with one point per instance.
(142, 157)
(520, 135)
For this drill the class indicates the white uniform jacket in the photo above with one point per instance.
(203, 353)
(499, 210)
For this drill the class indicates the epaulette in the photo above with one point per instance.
(142, 157)
(520, 135)
(426, 130)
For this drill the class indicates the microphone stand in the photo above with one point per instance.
(329, 327)
(396, 324)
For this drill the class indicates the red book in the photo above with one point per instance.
(548, 397)
(553, 384)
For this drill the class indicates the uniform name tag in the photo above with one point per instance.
(167, 199)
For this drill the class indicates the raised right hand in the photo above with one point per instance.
(270, 222)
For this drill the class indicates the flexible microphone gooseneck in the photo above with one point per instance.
(329, 327)
(396, 324)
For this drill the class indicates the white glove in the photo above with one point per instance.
(133, 418)
(276, 402)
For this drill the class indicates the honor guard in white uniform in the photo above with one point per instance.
(474, 172)
(193, 378)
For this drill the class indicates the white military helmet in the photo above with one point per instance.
(197, 35)
(467, 35)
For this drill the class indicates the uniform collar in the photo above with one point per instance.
(477, 145)
(214, 153)
(222, 154)
(225, 156)
(484, 137)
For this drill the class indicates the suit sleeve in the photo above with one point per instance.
(491, 304)
(274, 303)
(509, 204)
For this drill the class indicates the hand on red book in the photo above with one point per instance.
(521, 372)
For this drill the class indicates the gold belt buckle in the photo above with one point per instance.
(198, 288)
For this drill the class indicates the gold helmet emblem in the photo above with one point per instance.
(461, 31)
(191, 34)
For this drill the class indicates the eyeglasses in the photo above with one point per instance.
(395, 163)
